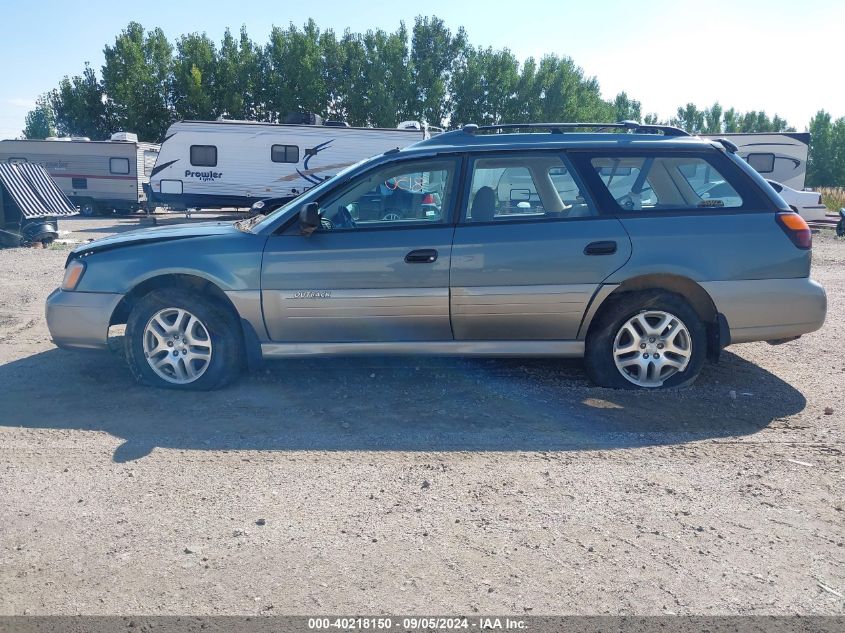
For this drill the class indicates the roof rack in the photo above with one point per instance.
(559, 128)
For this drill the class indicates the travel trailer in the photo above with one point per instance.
(98, 176)
(224, 164)
(777, 156)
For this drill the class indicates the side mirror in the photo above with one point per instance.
(309, 218)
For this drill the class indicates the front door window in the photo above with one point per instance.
(396, 195)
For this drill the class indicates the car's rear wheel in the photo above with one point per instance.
(648, 340)
(178, 339)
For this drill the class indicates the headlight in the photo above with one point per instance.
(258, 205)
(73, 274)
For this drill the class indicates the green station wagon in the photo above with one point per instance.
(640, 248)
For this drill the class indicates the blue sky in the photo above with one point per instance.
(786, 57)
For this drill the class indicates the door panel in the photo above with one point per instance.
(356, 286)
(529, 281)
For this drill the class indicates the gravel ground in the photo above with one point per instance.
(417, 485)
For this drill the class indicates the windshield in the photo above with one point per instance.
(264, 221)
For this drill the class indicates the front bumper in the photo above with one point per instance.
(80, 320)
(769, 309)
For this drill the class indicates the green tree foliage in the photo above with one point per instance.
(626, 109)
(433, 52)
(376, 78)
(193, 81)
(827, 151)
(294, 71)
(41, 121)
(136, 80)
(237, 90)
(81, 106)
(385, 79)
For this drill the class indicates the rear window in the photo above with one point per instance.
(655, 183)
(204, 155)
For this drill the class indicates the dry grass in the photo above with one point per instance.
(833, 197)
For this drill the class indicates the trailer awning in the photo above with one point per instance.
(33, 190)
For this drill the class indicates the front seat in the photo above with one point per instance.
(483, 208)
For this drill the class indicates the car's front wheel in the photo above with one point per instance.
(178, 339)
(647, 340)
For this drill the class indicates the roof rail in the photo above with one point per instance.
(559, 128)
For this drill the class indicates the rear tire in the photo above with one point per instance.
(650, 339)
(178, 339)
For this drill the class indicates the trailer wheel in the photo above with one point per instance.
(88, 209)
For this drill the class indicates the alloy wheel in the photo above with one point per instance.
(177, 346)
(651, 347)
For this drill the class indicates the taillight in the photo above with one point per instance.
(428, 199)
(796, 229)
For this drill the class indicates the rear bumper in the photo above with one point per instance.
(769, 309)
(813, 213)
(80, 320)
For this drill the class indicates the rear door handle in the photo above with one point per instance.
(607, 247)
(421, 256)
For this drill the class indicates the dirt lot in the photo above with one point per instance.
(409, 485)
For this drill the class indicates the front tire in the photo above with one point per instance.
(178, 339)
(646, 340)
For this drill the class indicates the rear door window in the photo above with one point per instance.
(656, 183)
(524, 187)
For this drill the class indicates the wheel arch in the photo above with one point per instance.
(718, 333)
(200, 285)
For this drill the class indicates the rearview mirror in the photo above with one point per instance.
(309, 218)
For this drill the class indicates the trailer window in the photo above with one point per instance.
(79, 183)
(284, 154)
(204, 155)
(119, 165)
(762, 163)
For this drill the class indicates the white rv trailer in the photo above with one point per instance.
(97, 176)
(780, 156)
(217, 164)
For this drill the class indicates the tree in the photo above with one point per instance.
(81, 106)
(294, 72)
(689, 118)
(626, 109)
(433, 53)
(193, 89)
(136, 79)
(484, 87)
(826, 164)
(386, 79)
(713, 119)
(238, 86)
(41, 121)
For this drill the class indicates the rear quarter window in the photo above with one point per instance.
(670, 182)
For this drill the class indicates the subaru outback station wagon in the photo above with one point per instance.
(640, 248)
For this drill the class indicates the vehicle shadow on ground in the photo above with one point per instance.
(389, 404)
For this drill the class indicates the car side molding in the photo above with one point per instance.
(564, 349)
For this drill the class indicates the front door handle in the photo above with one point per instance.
(607, 247)
(421, 256)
